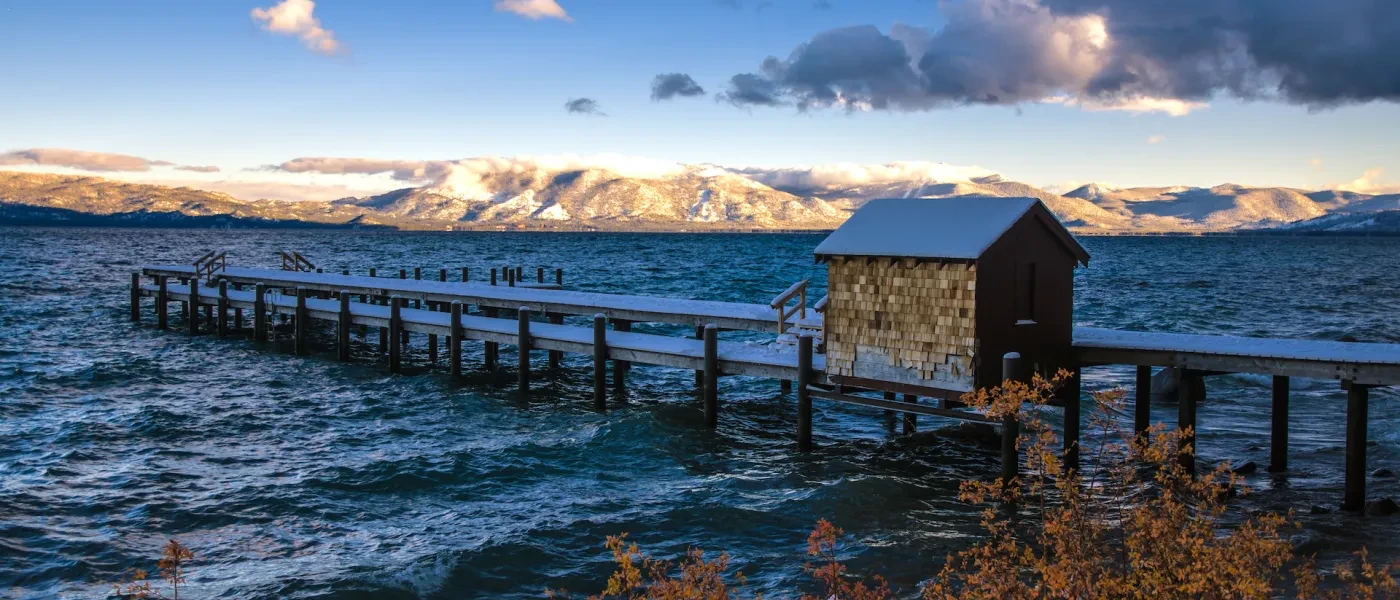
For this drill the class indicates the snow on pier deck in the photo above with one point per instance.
(1361, 363)
(735, 358)
(654, 309)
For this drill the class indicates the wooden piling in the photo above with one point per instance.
(384, 333)
(522, 318)
(193, 304)
(1188, 392)
(135, 296)
(260, 312)
(711, 376)
(489, 349)
(1011, 370)
(804, 393)
(555, 356)
(342, 328)
(238, 312)
(454, 341)
(1278, 436)
(1142, 403)
(785, 386)
(442, 274)
(1354, 496)
(510, 277)
(600, 362)
(223, 308)
(303, 324)
(519, 274)
(493, 275)
(911, 420)
(700, 373)
(1073, 404)
(464, 275)
(162, 303)
(559, 277)
(417, 276)
(395, 327)
(890, 416)
(539, 276)
(620, 367)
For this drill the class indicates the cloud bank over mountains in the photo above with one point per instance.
(1136, 55)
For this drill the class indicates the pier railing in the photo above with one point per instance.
(294, 261)
(214, 260)
(779, 303)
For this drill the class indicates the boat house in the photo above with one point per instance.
(926, 295)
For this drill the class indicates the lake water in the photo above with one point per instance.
(302, 477)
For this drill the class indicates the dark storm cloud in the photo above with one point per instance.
(669, 85)
(584, 106)
(1313, 52)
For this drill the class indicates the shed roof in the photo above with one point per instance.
(961, 228)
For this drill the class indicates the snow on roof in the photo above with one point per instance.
(962, 227)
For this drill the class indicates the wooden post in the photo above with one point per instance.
(600, 362)
(303, 324)
(1354, 496)
(1278, 438)
(1073, 405)
(417, 276)
(395, 326)
(342, 328)
(442, 274)
(711, 376)
(1142, 404)
(620, 367)
(510, 277)
(454, 341)
(559, 277)
(135, 296)
(489, 349)
(260, 312)
(522, 335)
(464, 274)
(223, 308)
(700, 373)
(1011, 425)
(384, 333)
(162, 303)
(238, 312)
(911, 420)
(1187, 396)
(539, 276)
(403, 273)
(555, 356)
(784, 386)
(493, 275)
(520, 274)
(804, 393)
(194, 306)
(890, 416)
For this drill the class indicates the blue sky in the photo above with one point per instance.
(204, 83)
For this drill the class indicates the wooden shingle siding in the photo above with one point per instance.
(919, 316)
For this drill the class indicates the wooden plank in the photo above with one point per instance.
(892, 405)
(1362, 373)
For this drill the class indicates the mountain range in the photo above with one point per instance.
(697, 197)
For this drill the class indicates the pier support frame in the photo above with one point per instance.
(1142, 401)
(711, 376)
(303, 325)
(1189, 393)
(620, 367)
(1011, 370)
(600, 362)
(454, 341)
(911, 420)
(700, 373)
(162, 303)
(555, 356)
(135, 296)
(223, 308)
(522, 317)
(342, 329)
(804, 393)
(193, 311)
(260, 312)
(490, 349)
(1278, 436)
(1358, 404)
(395, 328)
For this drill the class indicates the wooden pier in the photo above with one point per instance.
(531, 317)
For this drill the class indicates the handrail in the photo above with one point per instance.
(797, 289)
(820, 306)
(294, 261)
(210, 262)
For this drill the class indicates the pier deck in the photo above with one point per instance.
(653, 309)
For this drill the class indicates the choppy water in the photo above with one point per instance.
(302, 477)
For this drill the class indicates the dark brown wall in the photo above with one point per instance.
(1046, 343)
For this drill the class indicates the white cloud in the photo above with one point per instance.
(78, 159)
(849, 174)
(1370, 182)
(1156, 139)
(294, 17)
(1169, 106)
(534, 9)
